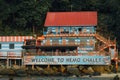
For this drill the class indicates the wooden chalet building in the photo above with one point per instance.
(70, 38)
(11, 50)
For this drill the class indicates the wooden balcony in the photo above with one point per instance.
(52, 54)
(66, 44)
(67, 53)
(62, 44)
(70, 35)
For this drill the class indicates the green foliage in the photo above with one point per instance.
(17, 17)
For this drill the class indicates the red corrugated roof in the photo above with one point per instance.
(14, 38)
(71, 18)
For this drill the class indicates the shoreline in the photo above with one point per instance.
(59, 71)
(110, 75)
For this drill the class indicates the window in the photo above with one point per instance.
(0, 46)
(31, 42)
(79, 29)
(60, 41)
(11, 46)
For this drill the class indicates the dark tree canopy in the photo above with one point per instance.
(17, 17)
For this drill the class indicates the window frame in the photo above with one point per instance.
(11, 46)
(0, 46)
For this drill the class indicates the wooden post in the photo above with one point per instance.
(19, 62)
(15, 62)
(48, 66)
(109, 51)
(10, 62)
(116, 57)
(33, 67)
(7, 62)
(62, 68)
(22, 58)
(77, 51)
(24, 66)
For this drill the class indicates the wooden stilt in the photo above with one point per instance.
(10, 62)
(15, 62)
(33, 67)
(77, 51)
(24, 66)
(7, 63)
(116, 62)
(62, 68)
(116, 57)
(48, 66)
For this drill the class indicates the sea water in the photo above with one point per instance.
(56, 78)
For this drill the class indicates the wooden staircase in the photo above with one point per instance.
(99, 37)
(107, 43)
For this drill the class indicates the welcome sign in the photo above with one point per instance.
(67, 60)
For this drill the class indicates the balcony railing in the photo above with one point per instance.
(69, 53)
(69, 35)
(66, 44)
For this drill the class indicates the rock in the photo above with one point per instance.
(116, 77)
(85, 71)
(119, 69)
(55, 69)
(7, 72)
(35, 72)
(107, 69)
(11, 78)
(16, 67)
(39, 68)
(2, 66)
(90, 69)
(20, 72)
(24, 68)
(74, 76)
(81, 67)
(1, 76)
(101, 69)
(96, 74)
(74, 66)
(11, 72)
(64, 74)
(62, 69)
(73, 70)
(48, 71)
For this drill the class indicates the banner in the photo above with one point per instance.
(67, 60)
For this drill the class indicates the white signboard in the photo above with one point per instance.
(67, 60)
